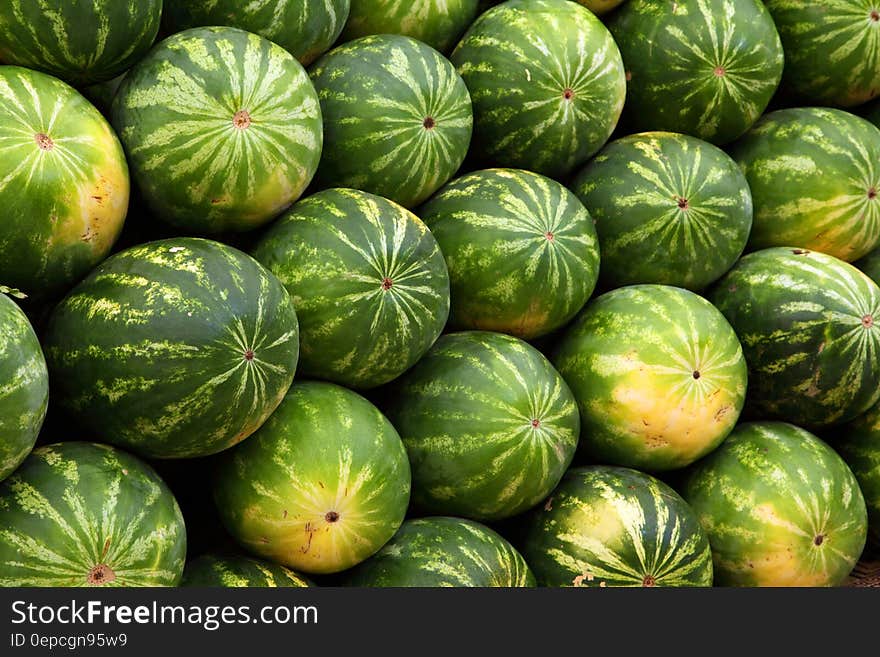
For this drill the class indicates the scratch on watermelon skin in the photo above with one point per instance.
(547, 84)
(320, 487)
(24, 386)
(815, 181)
(658, 373)
(221, 127)
(397, 118)
(707, 68)
(174, 349)
(84, 514)
(522, 251)
(233, 571)
(807, 328)
(610, 526)
(444, 552)
(832, 49)
(60, 151)
(489, 425)
(781, 508)
(80, 42)
(669, 209)
(368, 281)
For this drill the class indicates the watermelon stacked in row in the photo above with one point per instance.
(434, 293)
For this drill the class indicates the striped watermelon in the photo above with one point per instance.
(305, 28)
(368, 281)
(321, 486)
(607, 526)
(859, 444)
(707, 68)
(173, 349)
(221, 127)
(447, 552)
(233, 571)
(669, 209)
(806, 323)
(522, 251)
(489, 425)
(439, 23)
(832, 49)
(83, 514)
(544, 103)
(870, 265)
(600, 7)
(658, 373)
(780, 508)
(24, 391)
(397, 118)
(815, 181)
(80, 41)
(63, 183)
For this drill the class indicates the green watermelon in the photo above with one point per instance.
(24, 391)
(83, 514)
(707, 68)
(600, 7)
(668, 208)
(80, 41)
(320, 487)
(807, 327)
(522, 251)
(63, 183)
(173, 349)
(368, 281)
(439, 23)
(780, 508)
(608, 526)
(870, 265)
(830, 49)
(232, 571)
(442, 551)
(815, 181)
(859, 444)
(222, 129)
(658, 373)
(305, 28)
(397, 118)
(547, 83)
(489, 425)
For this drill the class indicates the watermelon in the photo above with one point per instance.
(830, 49)
(80, 41)
(522, 251)
(870, 265)
(806, 323)
(320, 487)
(84, 514)
(814, 180)
(173, 349)
(64, 184)
(368, 281)
(781, 508)
(439, 23)
(547, 83)
(233, 571)
(658, 373)
(443, 551)
(397, 118)
(600, 7)
(489, 425)
(222, 129)
(609, 526)
(859, 444)
(707, 68)
(24, 392)
(669, 209)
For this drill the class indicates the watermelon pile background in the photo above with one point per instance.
(439, 292)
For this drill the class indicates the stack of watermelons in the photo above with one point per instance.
(423, 293)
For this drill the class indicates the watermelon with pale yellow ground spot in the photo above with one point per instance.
(83, 514)
(64, 184)
(320, 487)
(658, 373)
(781, 508)
(232, 571)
